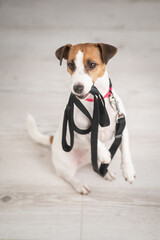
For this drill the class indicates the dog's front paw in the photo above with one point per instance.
(104, 155)
(129, 172)
(110, 176)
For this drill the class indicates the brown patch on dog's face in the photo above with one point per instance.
(71, 67)
(95, 57)
(92, 60)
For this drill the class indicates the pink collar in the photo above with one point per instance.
(108, 94)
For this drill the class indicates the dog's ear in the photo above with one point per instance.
(62, 52)
(107, 51)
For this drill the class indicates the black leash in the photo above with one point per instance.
(100, 117)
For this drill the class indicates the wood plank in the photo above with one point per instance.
(39, 213)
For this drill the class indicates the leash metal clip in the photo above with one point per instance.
(115, 105)
(119, 116)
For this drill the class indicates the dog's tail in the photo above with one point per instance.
(35, 134)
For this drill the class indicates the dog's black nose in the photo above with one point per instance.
(78, 88)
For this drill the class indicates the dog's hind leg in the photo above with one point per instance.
(76, 184)
(67, 173)
(66, 165)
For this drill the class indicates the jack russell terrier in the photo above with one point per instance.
(86, 63)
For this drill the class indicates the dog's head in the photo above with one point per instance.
(85, 63)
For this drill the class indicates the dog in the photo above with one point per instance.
(86, 64)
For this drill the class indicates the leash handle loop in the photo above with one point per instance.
(68, 121)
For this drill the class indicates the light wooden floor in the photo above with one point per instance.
(34, 203)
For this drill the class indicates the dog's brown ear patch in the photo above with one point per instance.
(62, 52)
(107, 51)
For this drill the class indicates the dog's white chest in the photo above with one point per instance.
(80, 119)
(105, 134)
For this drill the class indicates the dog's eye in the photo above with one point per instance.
(91, 65)
(71, 65)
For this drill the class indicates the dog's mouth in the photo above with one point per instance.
(82, 96)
